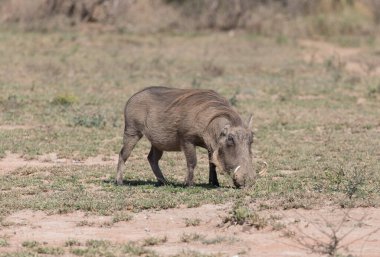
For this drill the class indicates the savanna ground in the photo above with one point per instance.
(316, 109)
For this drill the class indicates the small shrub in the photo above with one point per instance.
(121, 217)
(97, 243)
(72, 242)
(240, 215)
(92, 121)
(233, 100)
(136, 250)
(218, 240)
(30, 244)
(281, 40)
(12, 102)
(150, 241)
(335, 66)
(374, 91)
(3, 242)
(354, 179)
(50, 250)
(333, 236)
(186, 238)
(192, 222)
(79, 251)
(277, 226)
(84, 223)
(190, 253)
(213, 70)
(106, 224)
(4, 223)
(195, 83)
(346, 180)
(64, 100)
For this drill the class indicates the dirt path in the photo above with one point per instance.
(273, 240)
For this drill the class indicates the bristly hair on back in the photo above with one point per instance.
(201, 100)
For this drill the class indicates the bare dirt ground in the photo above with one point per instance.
(359, 224)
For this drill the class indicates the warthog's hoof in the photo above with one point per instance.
(189, 183)
(161, 183)
(214, 184)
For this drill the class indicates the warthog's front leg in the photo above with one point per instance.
(191, 159)
(213, 178)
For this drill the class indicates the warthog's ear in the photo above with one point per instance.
(225, 130)
(250, 122)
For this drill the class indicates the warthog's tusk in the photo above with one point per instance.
(263, 172)
(236, 169)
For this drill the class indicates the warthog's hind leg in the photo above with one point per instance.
(129, 143)
(213, 178)
(154, 157)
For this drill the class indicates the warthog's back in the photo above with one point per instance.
(166, 116)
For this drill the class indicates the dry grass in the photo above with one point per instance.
(316, 123)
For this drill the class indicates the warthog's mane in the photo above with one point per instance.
(204, 103)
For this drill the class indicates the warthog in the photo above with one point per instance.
(181, 119)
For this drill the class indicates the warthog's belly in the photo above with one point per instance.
(165, 142)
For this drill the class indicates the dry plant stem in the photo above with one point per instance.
(334, 243)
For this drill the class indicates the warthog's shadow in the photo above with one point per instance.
(137, 183)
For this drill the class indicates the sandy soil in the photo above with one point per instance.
(295, 238)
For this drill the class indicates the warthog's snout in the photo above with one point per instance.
(243, 177)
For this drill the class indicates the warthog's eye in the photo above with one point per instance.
(230, 140)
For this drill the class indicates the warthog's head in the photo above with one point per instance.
(233, 154)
